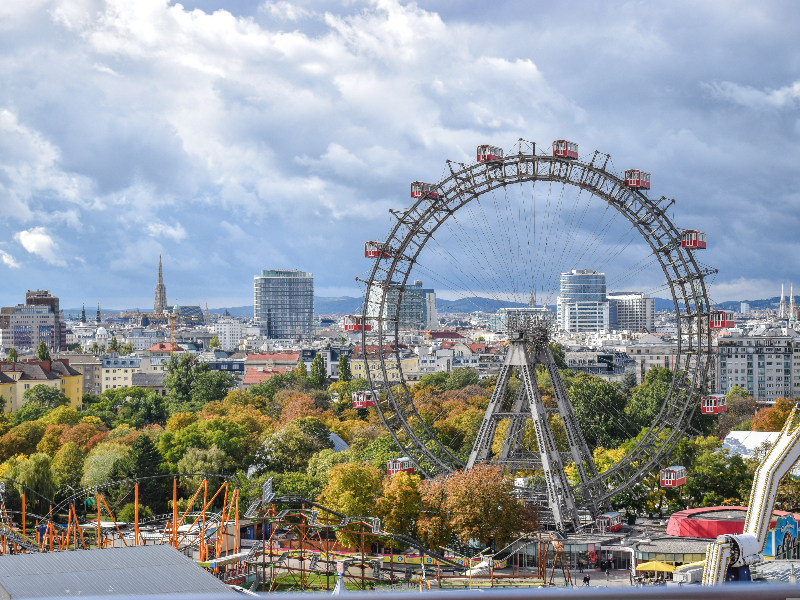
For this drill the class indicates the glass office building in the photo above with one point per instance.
(284, 304)
(582, 304)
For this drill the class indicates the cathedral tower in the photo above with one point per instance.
(161, 291)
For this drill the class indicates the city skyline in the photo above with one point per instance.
(301, 160)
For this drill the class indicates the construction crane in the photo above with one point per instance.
(730, 556)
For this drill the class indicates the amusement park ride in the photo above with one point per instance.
(672, 249)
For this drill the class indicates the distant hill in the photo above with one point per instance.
(468, 305)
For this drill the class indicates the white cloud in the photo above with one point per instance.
(745, 95)
(37, 241)
(105, 69)
(284, 10)
(161, 230)
(9, 260)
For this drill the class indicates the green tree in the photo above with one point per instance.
(67, 466)
(201, 460)
(146, 409)
(128, 513)
(127, 349)
(113, 345)
(300, 369)
(741, 407)
(558, 355)
(3, 403)
(599, 407)
(33, 473)
(317, 377)
(461, 377)
(95, 349)
(647, 399)
(344, 368)
(142, 461)
(30, 411)
(192, 385)
(323, 461)
(214, 342)
(628, 383)
(42, 352)
(45, 396)
(22, 439)
(100, 462)
(13, 356)
(289, 449)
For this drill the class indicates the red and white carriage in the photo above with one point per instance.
(673, 476)
(365, 398)
(713, 404)
(565, 149)
(377, 250)
(693, 240)
(636, 179)
(610, 521)
(403, 464)
(721, 319)
(487, 152)
(354, 323)
(420, 189)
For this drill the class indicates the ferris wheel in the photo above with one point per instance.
(509, 226)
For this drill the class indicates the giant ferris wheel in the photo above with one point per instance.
(506, 227)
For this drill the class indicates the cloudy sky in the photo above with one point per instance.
(235, 135)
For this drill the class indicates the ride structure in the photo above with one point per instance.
(457, 199)
(730, 556)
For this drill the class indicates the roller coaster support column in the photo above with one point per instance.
(136, 514)
(174, 532)
(99, 531)
(23, 514)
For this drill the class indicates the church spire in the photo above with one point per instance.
(160, 302)
(98, 319)
(782, 311)
(83, 313)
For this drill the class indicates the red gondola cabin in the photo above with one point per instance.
(486, 152)
(354, 323)
(376, 250)
(673, 476)
(397, 465)
(610, 521)
(565, 149)
(365, 399)
(636, 179)
(693, 240)
(420, 189)
(721, 319)
(713, 404)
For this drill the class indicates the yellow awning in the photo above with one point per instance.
(698, 563)
(655, 565)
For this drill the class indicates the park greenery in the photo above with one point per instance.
(283, 428)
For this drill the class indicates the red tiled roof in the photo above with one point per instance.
(164, 347)
(253, 376)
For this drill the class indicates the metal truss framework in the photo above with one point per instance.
(416, 225)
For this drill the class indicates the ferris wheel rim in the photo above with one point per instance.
(685, 278)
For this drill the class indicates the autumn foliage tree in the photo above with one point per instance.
(400, 504)
(773, 417)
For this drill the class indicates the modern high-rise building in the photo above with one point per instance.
(631, 311)
(582, 305)
(161, 291)
(417, 305)
(284, 303)
(38, 320)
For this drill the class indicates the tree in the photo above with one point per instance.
(628, 383)
(191, 385)
(352, 489)
(95, 349)
(43, 352)
(343, 368)
(741, 407)
(199, 460)
(30, 411)
(647, 399)
(323, 461)
(146, 409)
(67, 466)
(113, 345)
(482, 506)
(143, 460)
(33, 473)
(300, 369)
(558, 355)
(599, 407)
(51, 440)
(214, 342)
(317, 377)
(289, 449)
(127, 349)
(13, 356)
(100, 461)
(434, 523)
(772, 418)
(45, 396)
(400, 504)
(461, 377)
(128, 513)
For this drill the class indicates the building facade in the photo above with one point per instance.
(631, 311)
(38, 320)
(229, 331)
(582, 305)
(284, 303)
(160, 303)
(417, 306)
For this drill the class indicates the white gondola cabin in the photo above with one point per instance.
(365, 398)
(420, 189)
(713, 404)
(397, 465)
(610, 521)
(673, 476)
(376, 250)
(721, 319)
(693, 240)
(636, 179)
(487, 152)
(354, 323)
(565, 149)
